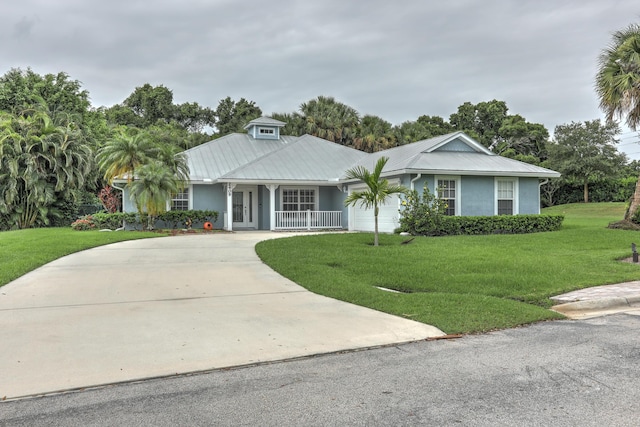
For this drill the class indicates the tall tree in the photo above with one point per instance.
(586, 151)
(423, 128)
(22, 90)
(618, 86)
(233, 116)
(377, 192)
(374, 134)
(41, 162)
(331, 120)
(124, 153)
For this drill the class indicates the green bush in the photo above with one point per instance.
(502, 224)
(421, 214)
(115, 220)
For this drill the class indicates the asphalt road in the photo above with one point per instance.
(563, 373)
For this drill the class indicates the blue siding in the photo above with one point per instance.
(210, 197)
(455, 145)
(332, 199)
(254, 131)
(477, 195)
(529, 195)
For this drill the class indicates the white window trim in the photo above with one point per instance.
(316, 201)
(455, 178)
(266, 131)
(516, 198)
(190, 204)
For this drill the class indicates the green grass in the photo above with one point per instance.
(24, 250)
(463, 284)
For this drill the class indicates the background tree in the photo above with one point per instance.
(377, 192)
(331, 120)
(508, 135)
(585, 151)
(233, 116)
(374, 134)
(618, 86)
(41, 163)
(423, 128)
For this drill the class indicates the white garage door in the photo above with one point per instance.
(363, 220)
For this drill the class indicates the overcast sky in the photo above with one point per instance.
(393, 58)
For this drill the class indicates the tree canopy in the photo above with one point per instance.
(585, 151)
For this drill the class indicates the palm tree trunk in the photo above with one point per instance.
(635, 202)
(586, 192)
(375, 225)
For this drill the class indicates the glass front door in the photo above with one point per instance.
(243, 204)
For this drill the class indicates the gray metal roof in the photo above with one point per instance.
(215, 158)
(430, 156)
(240, 157)
(306, 159)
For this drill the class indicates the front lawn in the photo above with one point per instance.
(463, 284)
(24, 250)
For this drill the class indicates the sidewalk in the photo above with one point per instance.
(599, 301)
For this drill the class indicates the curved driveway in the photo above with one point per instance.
(158, 307)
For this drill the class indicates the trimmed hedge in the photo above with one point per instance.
(173, 219)
(477, 225)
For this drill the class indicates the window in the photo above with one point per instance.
(180, 200)
(265, 131)
(505, 197)
(448, 191)
(298, 199)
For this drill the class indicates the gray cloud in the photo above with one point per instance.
(398, 60)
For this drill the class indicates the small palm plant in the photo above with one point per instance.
(377, 192)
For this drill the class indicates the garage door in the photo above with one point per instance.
(362, 219)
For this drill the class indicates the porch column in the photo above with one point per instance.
(272, 205)
(229, 223)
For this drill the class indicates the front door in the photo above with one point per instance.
(244, 204)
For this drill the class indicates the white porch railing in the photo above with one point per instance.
(308, 220)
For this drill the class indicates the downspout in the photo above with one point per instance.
(540, 189)
(414, 180)
(122, 191)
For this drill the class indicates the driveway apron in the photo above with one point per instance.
(158, 307)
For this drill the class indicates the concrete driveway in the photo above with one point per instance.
(159, 307)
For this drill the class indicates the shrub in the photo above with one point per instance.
(502, 224)
(424, 216)
(111, 221)
(84, 223)
(421, 214)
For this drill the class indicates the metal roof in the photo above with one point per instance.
(306, 159)
(430, 156)
(240, 157)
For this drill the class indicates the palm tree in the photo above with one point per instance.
(41, 162)
(122, 155)
(153, 186)
(377, 192)
(618, 86)
(175, 159)
(331, 120)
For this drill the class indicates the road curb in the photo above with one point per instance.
(600, 304)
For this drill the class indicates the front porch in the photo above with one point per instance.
(308, 220)
(278, 207)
